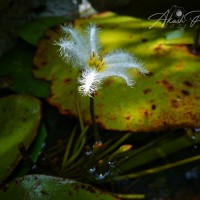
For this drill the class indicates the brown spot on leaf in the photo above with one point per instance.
(96, 93)
(146, 91)
(185, 92)
(174, 103)
(158, 49)
(144, 40)
(166, 84)
(150, 74)
(128, 117)
(108, 82)
(68, 80)
(153, 107)
(197, 97)
(146, 113)
(187, 83)
(88, 188)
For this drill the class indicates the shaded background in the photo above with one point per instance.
(16, 12)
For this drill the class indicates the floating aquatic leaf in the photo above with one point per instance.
(16, 73)
(19, 118)
(167, 97)
(39, 187)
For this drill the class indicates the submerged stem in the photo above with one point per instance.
(96, 132)
(158, 169)
(67, 150)
(79, 110)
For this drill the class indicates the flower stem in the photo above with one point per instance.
(79, 111)
(96, 132)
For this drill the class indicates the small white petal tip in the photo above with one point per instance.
(89, 82)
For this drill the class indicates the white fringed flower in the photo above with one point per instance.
(84, 52)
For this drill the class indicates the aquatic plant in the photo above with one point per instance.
(84, 52)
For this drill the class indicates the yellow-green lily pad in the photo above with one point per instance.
(19, 118)
(40, 187)
(167, 97)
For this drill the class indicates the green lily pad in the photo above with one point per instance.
(47, 187)
(16, 73)
(37, 27)
(19, 118)
(166, 98)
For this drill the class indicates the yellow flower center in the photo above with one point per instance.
(95, 62)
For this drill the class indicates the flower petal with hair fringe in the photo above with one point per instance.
(83, 51)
